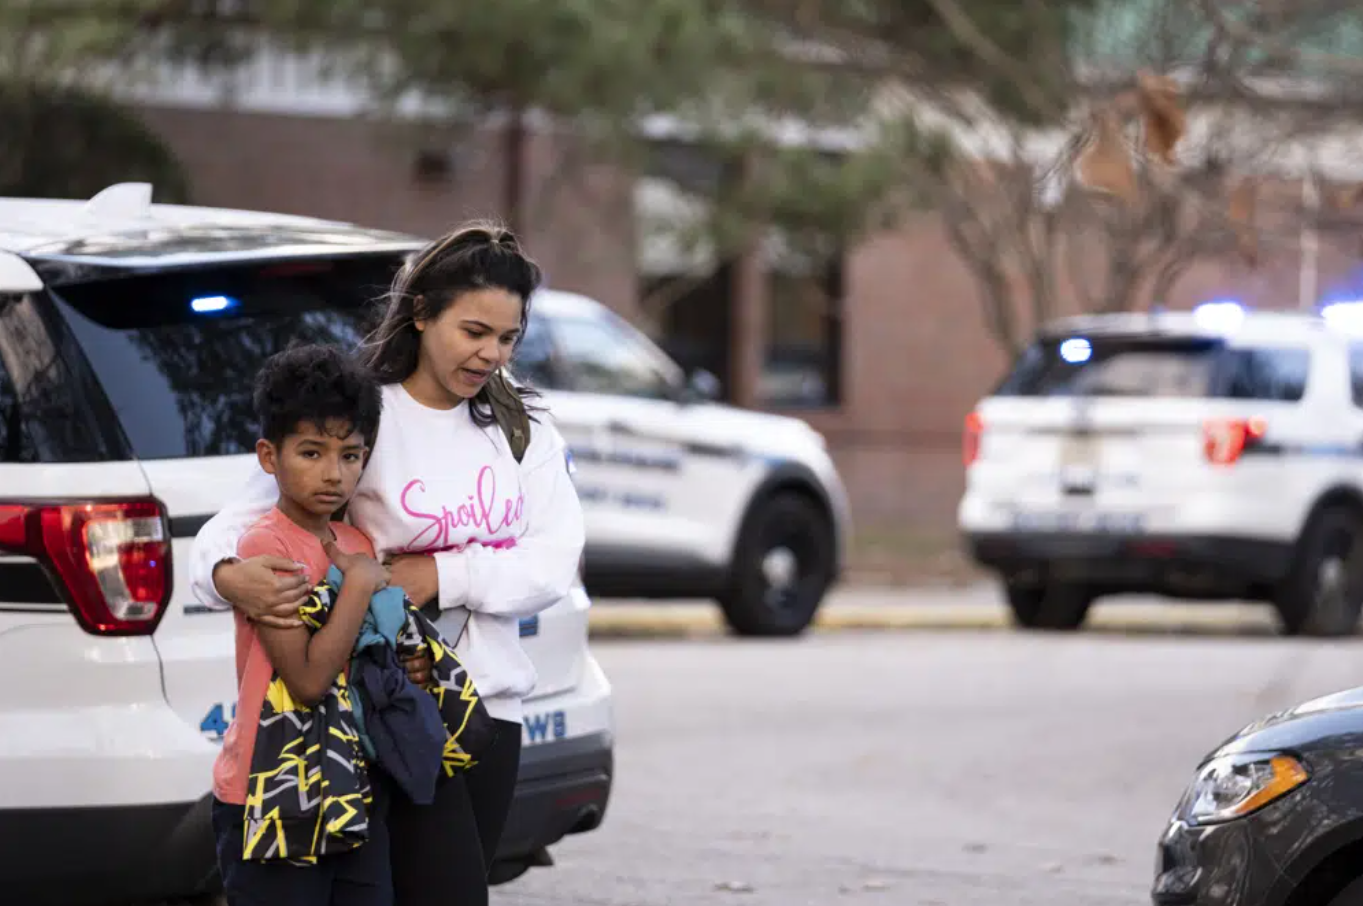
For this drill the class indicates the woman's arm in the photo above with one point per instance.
(309, 662)
(521, 581)
(266, 588)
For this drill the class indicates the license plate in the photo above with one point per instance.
(1079, 521)
(1081, 450)
(1079, 462)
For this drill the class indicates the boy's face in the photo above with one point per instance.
(316, 470)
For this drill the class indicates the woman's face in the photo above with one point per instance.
(469, 340)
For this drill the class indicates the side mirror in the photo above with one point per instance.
(703, 387)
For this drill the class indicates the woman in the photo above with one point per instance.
(491, 540)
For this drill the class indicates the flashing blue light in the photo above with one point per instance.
(1345, 316)
(205, 305)
(1076, 350)
(1221, 316)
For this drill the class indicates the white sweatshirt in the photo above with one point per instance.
(507, 538)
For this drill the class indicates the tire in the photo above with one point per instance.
(1323, 594)
(783, 565)
(504, 872)
(1349, 896)
(1055, 606)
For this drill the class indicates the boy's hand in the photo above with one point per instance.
(358, 567)
(268, 590)
(418, 667)
(416, 575)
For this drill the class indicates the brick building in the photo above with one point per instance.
(887, 372)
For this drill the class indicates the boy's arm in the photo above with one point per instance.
(220, 537)
(309, 662)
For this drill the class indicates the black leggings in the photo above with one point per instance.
(441, 852)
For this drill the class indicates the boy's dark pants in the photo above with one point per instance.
(361, 877)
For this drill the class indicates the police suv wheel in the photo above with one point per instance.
(1048, 605)
(1323, 595)
(1349, 896)
(783, 566)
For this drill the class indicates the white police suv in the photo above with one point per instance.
(1216, 453)
(685, 497)
(129, 337)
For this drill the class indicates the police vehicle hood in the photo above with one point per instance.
(762, 432)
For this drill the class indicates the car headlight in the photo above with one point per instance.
(1233, 786)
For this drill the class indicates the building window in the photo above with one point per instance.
(687, 291)
(684, 289)
(693, 317)
(803, 361)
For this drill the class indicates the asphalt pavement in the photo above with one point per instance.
(928, 768)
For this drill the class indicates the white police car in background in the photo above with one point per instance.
(685, 497)
(1211, 454)
(129, 337)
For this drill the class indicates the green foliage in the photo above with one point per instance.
(42, 40)
(1006, 44)
(63, 136)
(588, 58)
(76, 143)
(736, 73)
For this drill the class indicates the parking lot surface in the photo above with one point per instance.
(958, 768)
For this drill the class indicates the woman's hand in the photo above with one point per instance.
(268, 590)
(415, 574)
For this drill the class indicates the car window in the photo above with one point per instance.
(1275, 374)
(1356, 372)
(534, 356)
(1188, 368)
(601, 355)
(45, 410)
(177, 353)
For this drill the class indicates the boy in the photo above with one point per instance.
(296, 817)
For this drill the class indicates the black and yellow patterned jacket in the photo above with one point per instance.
(308, 794)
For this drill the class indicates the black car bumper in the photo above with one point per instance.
(1170, 564)
(563, 789)
(1304, 849)
(107, 856)
(93, 856)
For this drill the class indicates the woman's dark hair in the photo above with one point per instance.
(478, 255)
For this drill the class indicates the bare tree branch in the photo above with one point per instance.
(969, 34)
(1276, 49)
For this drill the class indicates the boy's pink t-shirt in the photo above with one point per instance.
(273, 535)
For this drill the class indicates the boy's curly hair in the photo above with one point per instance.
(316, 384)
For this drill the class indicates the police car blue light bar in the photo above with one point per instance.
(1076, 350)
(1220, 316)
(205, 305)
(1345, 316)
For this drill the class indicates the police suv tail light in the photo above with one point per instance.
(1224, 440)
(113, 559)
(971, 438)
